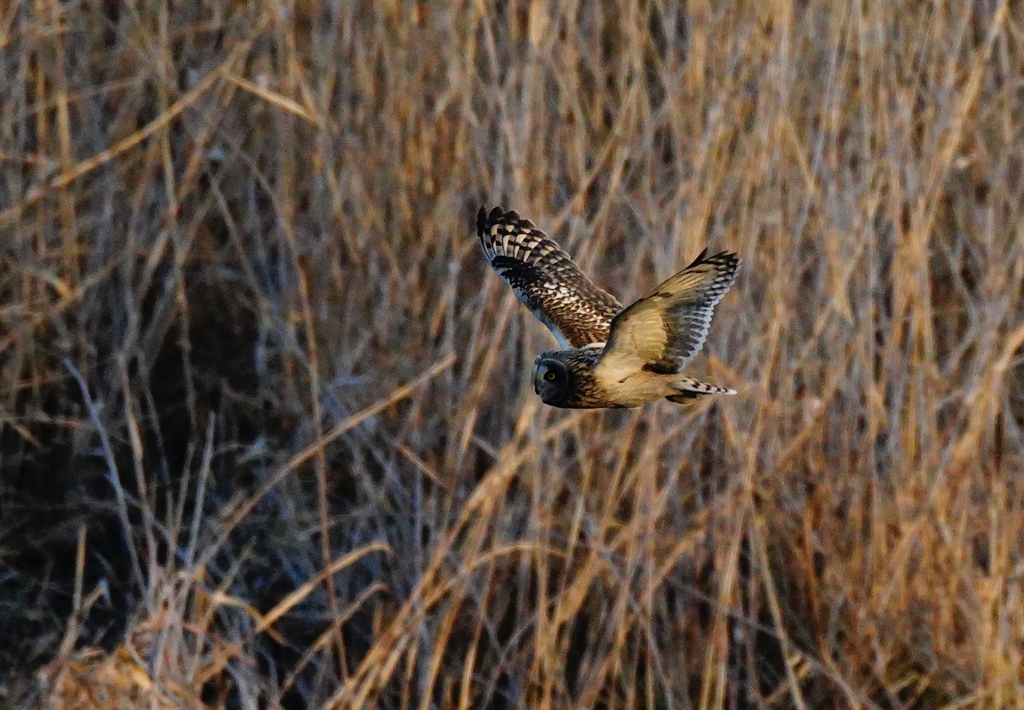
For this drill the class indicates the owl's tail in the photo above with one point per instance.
(689, 388)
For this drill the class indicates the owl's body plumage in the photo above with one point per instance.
(610, 356)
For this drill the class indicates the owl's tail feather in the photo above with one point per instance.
(689, 388)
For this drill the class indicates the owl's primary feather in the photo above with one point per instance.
(545, 279)
(610, 356)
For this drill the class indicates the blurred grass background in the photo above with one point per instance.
(268, 437)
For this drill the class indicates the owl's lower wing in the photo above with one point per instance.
(663, 331)
(545, 279)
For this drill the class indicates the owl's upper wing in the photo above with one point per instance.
(662, 331)
(545, 279)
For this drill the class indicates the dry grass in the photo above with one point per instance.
(232, 233)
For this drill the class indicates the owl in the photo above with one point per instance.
(610, 356)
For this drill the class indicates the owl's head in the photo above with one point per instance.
(551, 380)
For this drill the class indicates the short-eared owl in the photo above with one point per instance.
(611, 356)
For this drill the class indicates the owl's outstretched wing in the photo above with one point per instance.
(545, 279)
(662, 331)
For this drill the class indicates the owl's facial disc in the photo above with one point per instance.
(551, 381)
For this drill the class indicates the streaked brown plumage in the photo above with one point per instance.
(545, 279)
(610, 356)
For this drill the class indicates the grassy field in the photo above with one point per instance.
(267, 433)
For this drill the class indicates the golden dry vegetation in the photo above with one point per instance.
(268, 437)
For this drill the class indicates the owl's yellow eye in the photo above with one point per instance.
(550, 376)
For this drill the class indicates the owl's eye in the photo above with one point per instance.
(550, 376)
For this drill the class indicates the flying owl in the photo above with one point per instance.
(610, 356)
